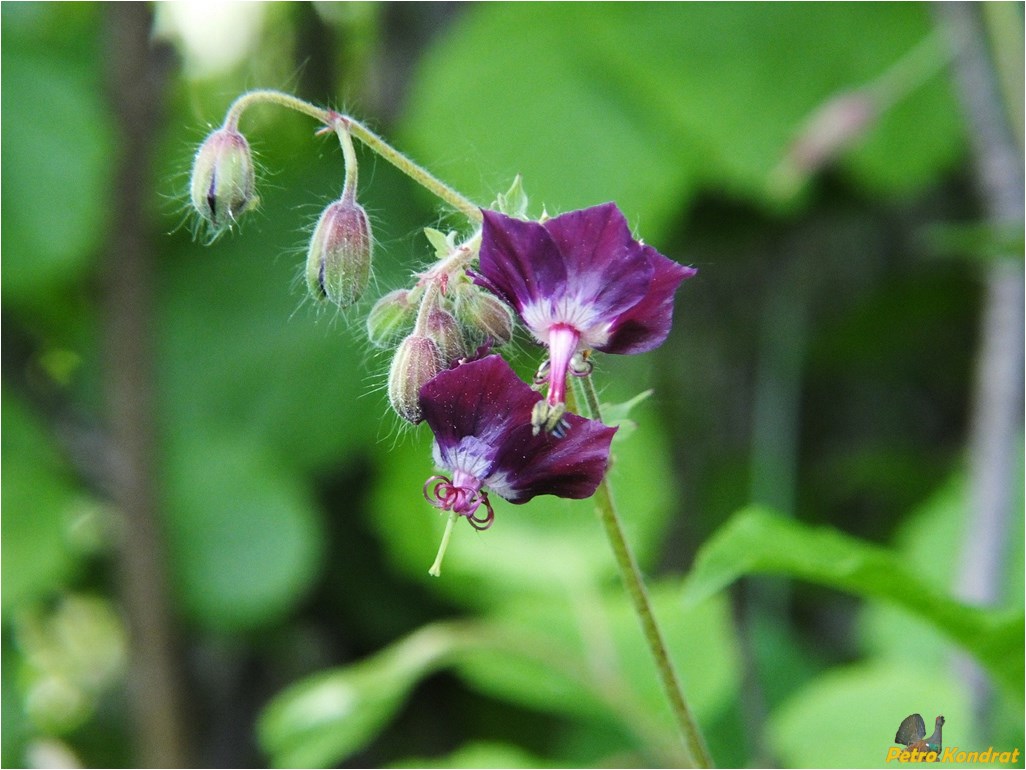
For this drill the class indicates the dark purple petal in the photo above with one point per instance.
(646, 325)
(528, 465)
(519, 262)
(604, 264)
(485, 406)
(482, 398)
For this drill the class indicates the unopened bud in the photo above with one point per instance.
(391, 317)
(223, 186)
(443, 329)
(485, 316)
(416, 361)
(338, 263)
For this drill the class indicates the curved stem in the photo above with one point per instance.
(635, 585)
(329, 118)
(349, 154)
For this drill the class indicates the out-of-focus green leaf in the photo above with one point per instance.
(37, 497)
(58, 144)
(321, 720)
(980, 241)
(482, 754)
(848, 717)
(895, 633)
(759, 541)
(645, 103)
(576, 653)
(246, 540)
(583, 654)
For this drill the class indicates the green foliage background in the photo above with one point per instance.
(809, 419)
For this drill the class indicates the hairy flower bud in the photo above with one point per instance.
(485, 316)
(391, 317)
(416, 361)
(223, 186)
(338, 263)
(443, 329)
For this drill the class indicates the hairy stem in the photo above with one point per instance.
(330, 118)
(349, 154)
(635, 585)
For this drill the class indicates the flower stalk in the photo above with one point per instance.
(630, 573)
(330, 119)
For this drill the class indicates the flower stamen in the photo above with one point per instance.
(445, 495)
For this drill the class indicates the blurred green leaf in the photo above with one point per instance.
(482, 754)
(58, 145)
(583, 654)
(848, 717)
(656, 100)
(321, 720)
(38, 496)
(578, 654)
(245, 538)
(759, 541)
(893, 632)
(977, 240)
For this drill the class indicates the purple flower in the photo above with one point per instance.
(480, 413)
(579, 282)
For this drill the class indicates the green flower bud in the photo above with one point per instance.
(338, 263)
(443, 329)
(416, 361)
(223, 186)
(391, 317)
(484, 316)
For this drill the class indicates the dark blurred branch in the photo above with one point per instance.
(135, 83)
(998, 398)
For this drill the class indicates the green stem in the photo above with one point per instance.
(329, 118)
(349, 154)
(635, 585)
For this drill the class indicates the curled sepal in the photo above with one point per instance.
(416, 361)
(223, 185)
(338, 263)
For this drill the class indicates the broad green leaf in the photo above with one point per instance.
(482, 754)
(848, 717)
(646, 103)
(582, 654)
(578, 654)
(58, 156)
(323, 719)
(759, 541)
(245, 538)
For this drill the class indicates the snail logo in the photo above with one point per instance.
(912, 733)
(917, 747)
